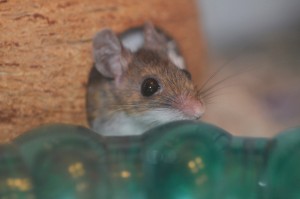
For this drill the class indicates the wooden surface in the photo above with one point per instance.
(45, 53)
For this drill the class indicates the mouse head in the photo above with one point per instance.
(147, 84)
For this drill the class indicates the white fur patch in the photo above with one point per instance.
(160, 116)
(122, 125)
(174, 56)
(135, 41)
(118, 125)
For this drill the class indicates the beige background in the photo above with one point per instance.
(45, 53)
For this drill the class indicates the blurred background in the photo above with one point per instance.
(257, 45)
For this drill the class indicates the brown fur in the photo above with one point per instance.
(105, 97)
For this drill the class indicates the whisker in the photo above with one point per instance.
(214, 88)
(238, 73)
(211, 77)
(208, 95)
(230, 60)
(213, 96)
(209, 102)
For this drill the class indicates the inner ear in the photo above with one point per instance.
(110, 57)
(153, 39)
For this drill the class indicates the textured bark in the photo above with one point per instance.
(45, 53)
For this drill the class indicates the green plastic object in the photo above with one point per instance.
(179, 160)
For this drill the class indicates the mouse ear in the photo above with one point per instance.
(153, 39)
(110, 57)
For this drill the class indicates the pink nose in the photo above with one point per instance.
(192, 107)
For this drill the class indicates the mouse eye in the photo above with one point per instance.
(187, 73)
(149, 87)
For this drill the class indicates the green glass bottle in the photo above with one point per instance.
(67, 162)
(182, 160)
(283, 166)
(179, 160)
(15, 179)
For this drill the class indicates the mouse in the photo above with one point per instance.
(132, 91)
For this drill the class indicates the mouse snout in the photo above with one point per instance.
(191, 107)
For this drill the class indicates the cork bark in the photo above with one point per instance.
(45, 53)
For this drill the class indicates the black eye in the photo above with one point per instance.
(149, 87)
(187, 73)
